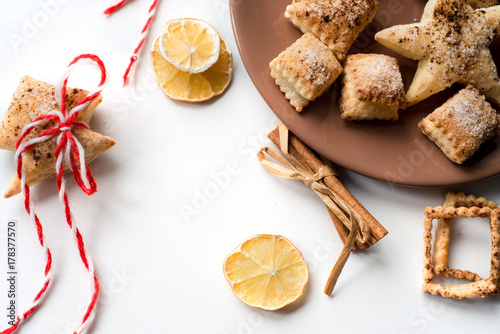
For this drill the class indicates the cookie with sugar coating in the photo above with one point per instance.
(451, 43)
(462, 124)
(305, 70)
(372, 88)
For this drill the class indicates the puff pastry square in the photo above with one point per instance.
(372, 88)
(336, 23)
(462, 124)
(31, 99)
(305, 70)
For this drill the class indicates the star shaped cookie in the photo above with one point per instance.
(31, 99)
(451, 43)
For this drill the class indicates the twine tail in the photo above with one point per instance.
(144, 32)
(86, 260)
(30, 309)
(71, 151)
(111, 9)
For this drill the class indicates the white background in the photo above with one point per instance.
(182, 187)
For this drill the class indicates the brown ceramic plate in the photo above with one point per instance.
(396, 152)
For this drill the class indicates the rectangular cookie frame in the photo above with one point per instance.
(459, 205)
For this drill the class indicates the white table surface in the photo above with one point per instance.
(182, 187)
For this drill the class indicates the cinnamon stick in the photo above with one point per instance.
(308, 158)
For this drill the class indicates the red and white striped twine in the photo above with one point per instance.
(70, 151)
(114, 7)
(129, 72)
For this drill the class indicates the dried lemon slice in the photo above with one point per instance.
(190, 45)
(266, 271)
(193, 87)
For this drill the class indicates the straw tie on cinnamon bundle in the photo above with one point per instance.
(356, 227)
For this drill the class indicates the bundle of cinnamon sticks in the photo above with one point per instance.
(306, 160)
(309, 159)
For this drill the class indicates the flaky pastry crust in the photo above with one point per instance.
(305, 70)
(451, 43)
(336, 23)
(461, 125)
(372, 88)
(31, 99)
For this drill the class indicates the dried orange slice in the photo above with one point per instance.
(193, 87)
(190, 45)
(266, 271)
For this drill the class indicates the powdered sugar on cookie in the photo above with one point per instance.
(473, 114)
(336, 23)
(377, 78)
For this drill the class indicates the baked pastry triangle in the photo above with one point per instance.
(31, 99)
(451, 43)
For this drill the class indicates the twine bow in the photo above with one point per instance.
(74, 154)
(71, 151)
(288, 167)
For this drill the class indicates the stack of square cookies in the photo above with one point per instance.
(450, 42)
(309, 66)
(307, 69)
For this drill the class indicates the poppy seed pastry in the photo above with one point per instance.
(372, 88)
(461, 125)
(305, 70)
(451, 44)
(336, 23)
